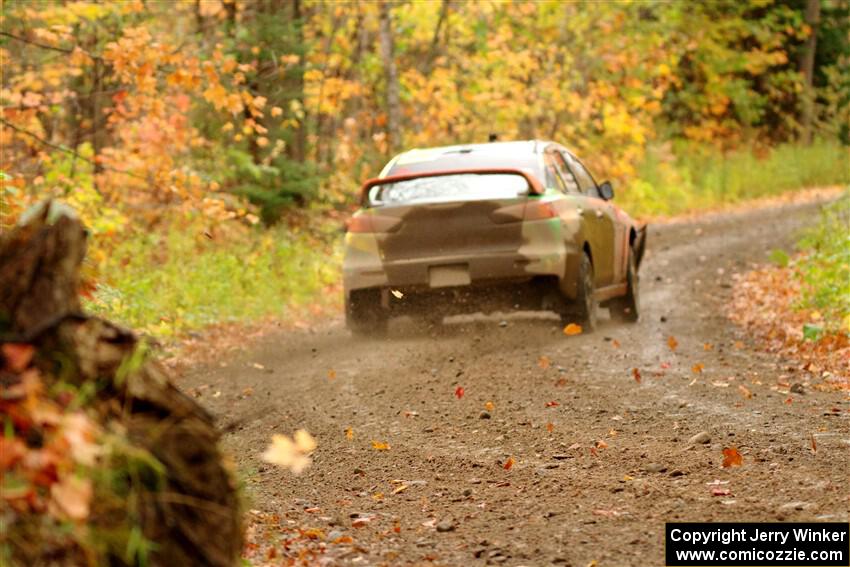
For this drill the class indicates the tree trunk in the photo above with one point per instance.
(393, 106)
(186, 503)
(298, 151)
(807, 68)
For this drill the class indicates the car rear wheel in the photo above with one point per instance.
(583, 310)
(627, 308)
(364, 315)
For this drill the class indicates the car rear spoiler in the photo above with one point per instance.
(533, 183)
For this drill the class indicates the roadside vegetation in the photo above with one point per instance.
(800, 306)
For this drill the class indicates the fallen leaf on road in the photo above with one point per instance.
(313, 533)
(739, 345)
(672, 342)
(378, 496)
(552, 404)
(349, 433)
(560, 382)
(331, 374)
(814, 444)
(665, 366)
(615, 343)
(600, 444)
(789, 400)
(697, 368)
(361, 521)
(745, 392)
(396, 293)
(489, 406)
(459, 392)
(707, 346)
(636, 375)
(400, 488)
(732, 458)
(380, 446)
(550, 427)
(544, 362)
(508, 464)
(572, 329)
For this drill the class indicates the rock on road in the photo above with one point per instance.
(600, 460)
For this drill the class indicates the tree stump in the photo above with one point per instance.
(184, 502)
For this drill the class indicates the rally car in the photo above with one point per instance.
(489, 227)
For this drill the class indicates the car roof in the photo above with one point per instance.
(526, 148)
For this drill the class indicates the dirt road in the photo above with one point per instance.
(600, 460)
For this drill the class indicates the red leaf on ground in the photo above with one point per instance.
(459, 392)
(552, 404)
(636, 375)
(732, 458)
(508, 464)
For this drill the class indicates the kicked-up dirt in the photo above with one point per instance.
(558, 450)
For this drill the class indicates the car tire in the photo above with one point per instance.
(584, 309)
(627, 308)
(364, 315)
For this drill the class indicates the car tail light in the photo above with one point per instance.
(537, 210)
(373, 223)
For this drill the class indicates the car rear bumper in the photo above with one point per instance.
(363, 267)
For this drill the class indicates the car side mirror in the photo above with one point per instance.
(606, 191)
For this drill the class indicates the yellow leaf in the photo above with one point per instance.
(697, 368)
(489, 406)
(331, 374)
(401, 488)
(672, 342)
(544, 362)
(380, 446)
(349, 434)
(291, 454)
(572, 329)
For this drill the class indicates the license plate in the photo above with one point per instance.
(448, 276)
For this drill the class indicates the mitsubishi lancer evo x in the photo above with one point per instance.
(489, 227)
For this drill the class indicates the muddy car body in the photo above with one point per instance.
(489, 227)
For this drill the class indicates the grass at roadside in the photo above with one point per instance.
(188, 278)
(692, 178)
(825, 266)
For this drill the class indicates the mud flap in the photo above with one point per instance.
(639, 245)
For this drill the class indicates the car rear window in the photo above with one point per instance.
(451, 187)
